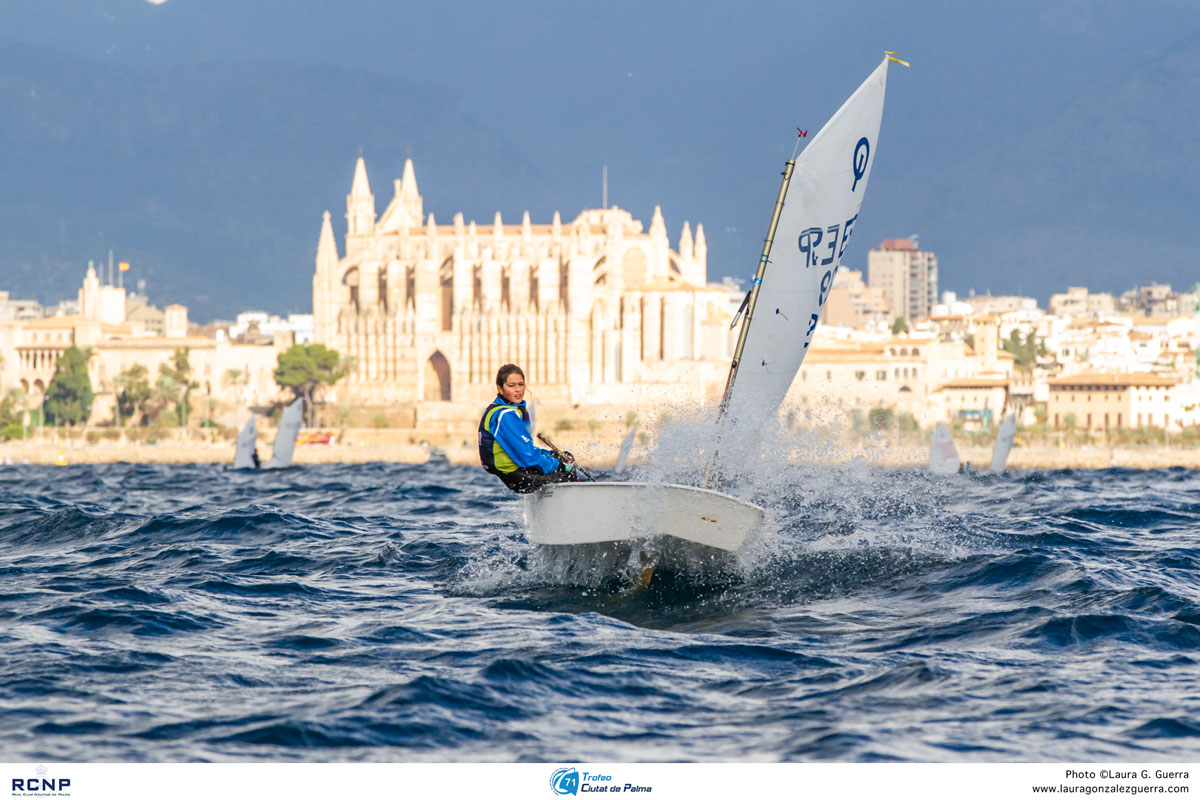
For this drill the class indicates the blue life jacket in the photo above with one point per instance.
(493, 457)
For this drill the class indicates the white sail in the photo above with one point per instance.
(818, 218)
(244, 457)
(810, 236)
(943, 455)
(623, 456)
(1004, 443)
(285, 437)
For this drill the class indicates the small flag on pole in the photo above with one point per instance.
(124, 266)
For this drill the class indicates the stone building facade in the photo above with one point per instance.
(233, 375)
(596, 310)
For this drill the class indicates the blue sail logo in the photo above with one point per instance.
(565, 781)
(862, 153)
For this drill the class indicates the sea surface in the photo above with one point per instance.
(395, 613)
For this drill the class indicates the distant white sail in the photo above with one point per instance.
(1004, 443)
(623, 456)
(285, 437)
(818, 218)
(943, 455)
(244, 457)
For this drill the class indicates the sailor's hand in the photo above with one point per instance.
(566, 466)
(567, 458)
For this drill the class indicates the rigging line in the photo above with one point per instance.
(796, 149)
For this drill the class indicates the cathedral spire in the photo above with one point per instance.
(685, 241)
(658, 228)
(700, 251)
(360, 203)
(361, 187)
(409, 197)
(327, 256)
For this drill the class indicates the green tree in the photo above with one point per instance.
(134, 394)
(163, 395)
(69, 395)
(178, 373)
(1025, 349)
(881, 418)
(305, 369)
(899, 325)
(12, 409)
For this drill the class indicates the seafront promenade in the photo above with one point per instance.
(883, 454)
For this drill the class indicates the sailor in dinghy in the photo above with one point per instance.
(822, 210)
(506, 447)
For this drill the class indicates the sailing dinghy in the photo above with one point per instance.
(243, 457)
(1004, 443)
(623, 455)
(823, 190)
(943, 455)
(286, 435)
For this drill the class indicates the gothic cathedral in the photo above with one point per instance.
(595, 310)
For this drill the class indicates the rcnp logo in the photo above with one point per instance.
(565, 781)
(41, 785)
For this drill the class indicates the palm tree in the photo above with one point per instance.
(164, 393)
(236, 379)
(132, 392)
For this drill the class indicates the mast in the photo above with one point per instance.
(751, 299)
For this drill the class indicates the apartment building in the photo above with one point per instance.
(907, 276)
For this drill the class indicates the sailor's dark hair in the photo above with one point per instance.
(505, 371)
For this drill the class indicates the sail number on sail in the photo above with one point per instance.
(810, 245)
(811, 238)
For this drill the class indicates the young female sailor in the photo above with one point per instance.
(506, 447)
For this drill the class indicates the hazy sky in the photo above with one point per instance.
(694, 106)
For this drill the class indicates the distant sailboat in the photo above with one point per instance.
(244, 457)
(285, 437)
(623, 457)
(782, 310)
(1004, 443)
(943, 455)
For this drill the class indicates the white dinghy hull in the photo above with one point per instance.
(602, 511)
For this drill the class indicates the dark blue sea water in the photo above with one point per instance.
(394, 612)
